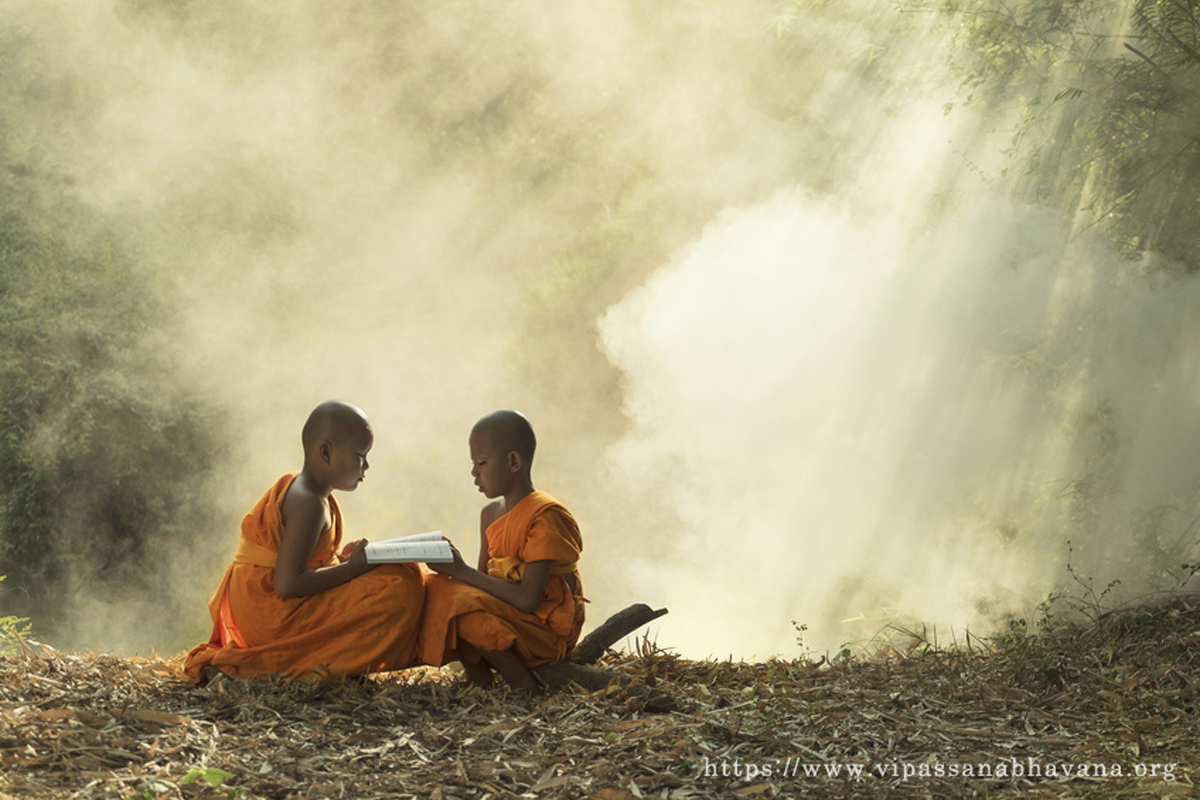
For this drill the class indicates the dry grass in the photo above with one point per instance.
(1118, 693)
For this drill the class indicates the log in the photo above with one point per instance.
(560, 674)
(577, 670)
(619, 625)
(557, 674)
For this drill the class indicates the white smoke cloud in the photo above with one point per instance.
(852, 411)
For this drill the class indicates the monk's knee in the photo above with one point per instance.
(407, 588)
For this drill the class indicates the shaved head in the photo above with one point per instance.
(508, 430)
(333, 420)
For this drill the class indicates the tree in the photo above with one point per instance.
(102, 455)
(1110, 106)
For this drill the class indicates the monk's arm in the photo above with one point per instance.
(490, 513)
(482, 562)
(293, 577)
(525, 595)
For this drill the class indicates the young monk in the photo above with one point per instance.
(290, 603)
(523, 606)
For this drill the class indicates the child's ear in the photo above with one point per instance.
(325, 450)
(514, 461)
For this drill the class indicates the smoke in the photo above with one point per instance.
(851, 386)
(863, 415)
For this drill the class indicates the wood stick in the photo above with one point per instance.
(560, 674)
(620, 624)
(578, 669)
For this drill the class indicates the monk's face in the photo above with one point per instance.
(349, 458)
(489, 465)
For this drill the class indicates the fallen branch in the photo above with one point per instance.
(561, 674)
(619, 625)
(577, 670)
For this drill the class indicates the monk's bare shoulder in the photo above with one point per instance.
(304, 510)
(492, 512)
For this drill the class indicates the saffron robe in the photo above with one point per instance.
(368, 624)
(537, 528)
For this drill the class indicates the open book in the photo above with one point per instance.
(418, 547)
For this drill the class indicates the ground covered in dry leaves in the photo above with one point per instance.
(1103, 709)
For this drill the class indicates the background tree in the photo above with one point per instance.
(1109, 102)
(104, 452)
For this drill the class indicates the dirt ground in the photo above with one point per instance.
(1100, 710)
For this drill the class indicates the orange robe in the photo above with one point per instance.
(537, 528)
(368, 624)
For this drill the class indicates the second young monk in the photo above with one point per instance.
(294, 601)
(523, 606)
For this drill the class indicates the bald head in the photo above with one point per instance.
(333, 421)
(508, 431)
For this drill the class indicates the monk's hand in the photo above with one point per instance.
(453, 568)
(349, 549)
(358, 557)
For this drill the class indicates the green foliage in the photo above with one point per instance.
(148, 790)
(100, 455)
(1109, 103)
(1063, 646)
(806, 653)
(1064, 651)
(213, 777)
(1030, 661)
(13, 630)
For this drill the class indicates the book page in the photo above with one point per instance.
(428, 547)
(414, 537)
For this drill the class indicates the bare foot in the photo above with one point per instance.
(478, 675)
(513, 670)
